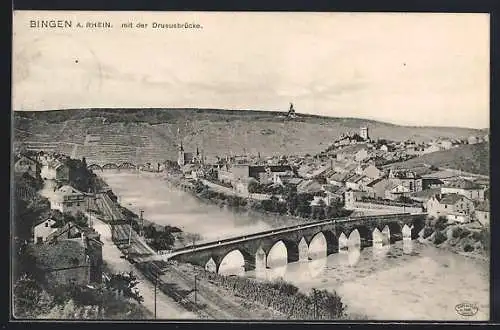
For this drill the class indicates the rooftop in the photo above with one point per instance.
(63, 254)
(462, 184)
(450, 199)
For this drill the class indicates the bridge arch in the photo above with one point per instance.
(94, 167)
(327, 241)
(235, 262)
(110, 166)
(127, 165)
(291, 249)
(395, 231)
(360, 236)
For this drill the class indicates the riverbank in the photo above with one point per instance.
(468, 240)
(236, 204)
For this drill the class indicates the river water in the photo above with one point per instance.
(404, 281)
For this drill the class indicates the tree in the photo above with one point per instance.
(126, 285)
(253, 186)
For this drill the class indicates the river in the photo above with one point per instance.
(403, 281)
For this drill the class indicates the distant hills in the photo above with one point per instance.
(142, 135)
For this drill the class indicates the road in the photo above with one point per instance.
(166, 307)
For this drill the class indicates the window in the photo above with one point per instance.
(446, 206)
(46, 224)
(39, 240)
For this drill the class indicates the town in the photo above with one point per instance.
(59, 200)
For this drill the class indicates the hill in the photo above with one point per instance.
(141, 135)
(472, 158)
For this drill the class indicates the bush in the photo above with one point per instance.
(468, 248)
(427, 232)
(439, 238)
(441, 223)
(457, 232)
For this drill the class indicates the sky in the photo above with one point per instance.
(404, 68)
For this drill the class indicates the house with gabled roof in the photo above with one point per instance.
(465, 188)
(55, 170)
(395, 191)
(482, 213)
(443, 205)
(43, 229)
(68, 199)
(26, 164)
(309, 186)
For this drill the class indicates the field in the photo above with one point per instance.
(150, 135)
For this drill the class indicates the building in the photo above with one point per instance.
(356, 182)
(446, 144)
(291, 112)
(309, 187)
(363, 132)
(334, 193)
(68, 199)
(472, 140)
(397, 191)
(71, 260)
(183, 157)
(370, 171)
(431, 183)
(361, 155)
(443, 205)
(43, 229)
(55, 170)
(482, 213)
(465, 188)
(92, 241)
(406, 178)
(431, 149)
(28, 165)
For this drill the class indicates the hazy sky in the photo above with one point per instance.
(416, 69)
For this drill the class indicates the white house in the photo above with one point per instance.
(396, 191)
(361, 155)
(482, 214)
(443, 205)
(43, 229)
(446, 144)
(430, 149)
(55, 170)
(68, 199)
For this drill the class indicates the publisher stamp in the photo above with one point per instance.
(466, 309)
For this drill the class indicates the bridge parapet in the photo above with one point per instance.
(249, 245)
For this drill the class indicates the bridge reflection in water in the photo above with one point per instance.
(269, 252)
(312, 258)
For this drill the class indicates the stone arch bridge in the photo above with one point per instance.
(362, 231)
(115, 166)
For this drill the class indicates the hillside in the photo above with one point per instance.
(473, 158)
(142, 135)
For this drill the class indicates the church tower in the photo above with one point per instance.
(181, 158)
